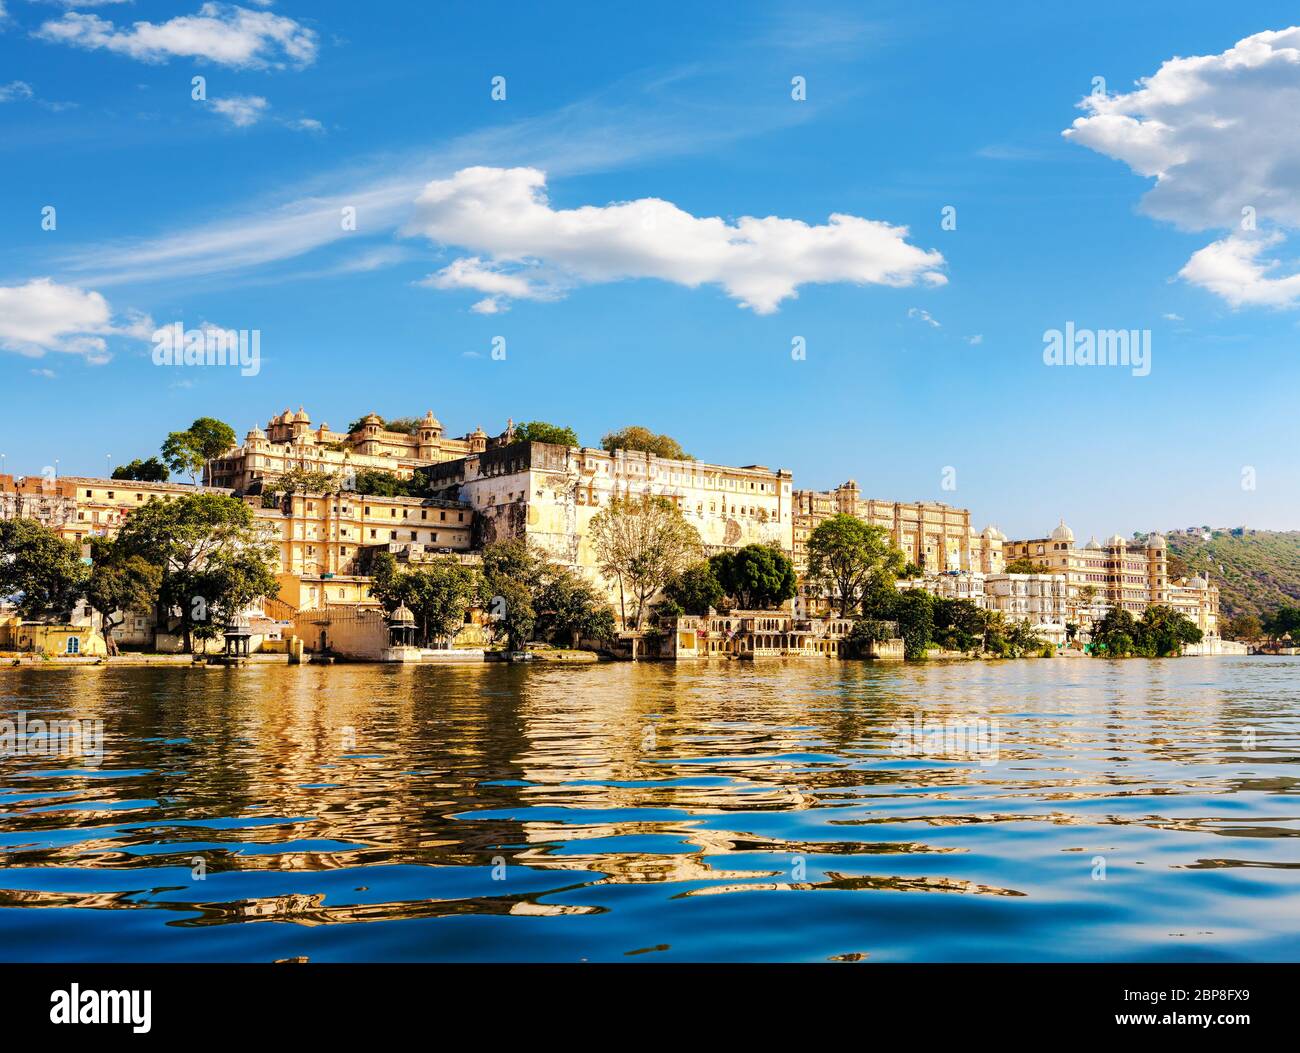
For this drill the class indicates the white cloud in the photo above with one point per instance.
(15, 89)
(306, 124)
(225, 34)
(48, 374)
(43, 316)
(924, 316)
(241, 110)
(534, 251)
(1214, 131)
(975, 340)
(1171, 317)
(1231, 268)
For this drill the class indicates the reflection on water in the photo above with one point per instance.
(1136, 810)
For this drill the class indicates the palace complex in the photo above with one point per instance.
(479, 489)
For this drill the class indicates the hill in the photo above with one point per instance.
(1256, 570)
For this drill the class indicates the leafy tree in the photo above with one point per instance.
(386, 484)
(1025, 565)
(760, 577)
(643, 543)
(1161, 631)
(865, 632)
(404, 425)
(542, 431)
(512, 573)
(303, 481)
(43, 567)
(119, 581)
(644, 440)
(695, 589)
(569, 609)
(1243, 627)
(150, 471)
(910, 570)
(847, 557)
(212, 554)
(190, 452)
(1284, 621)
(438, 594)
(958, 624)
(914, 613)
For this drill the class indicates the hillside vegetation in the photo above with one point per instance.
(1256, 570)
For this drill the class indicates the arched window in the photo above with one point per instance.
(74, 645)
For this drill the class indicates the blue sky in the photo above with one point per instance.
(924, 345)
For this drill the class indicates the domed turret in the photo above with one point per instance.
(1093, 545)
(301, 417)
(1156, 541)
(1063, 533)
(1116, 541)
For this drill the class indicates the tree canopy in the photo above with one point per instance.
(189, 452)
(642, 543)
(43, 567)
(438, 594)
(543, 431)
(1161, 631)
(695, 589)
(759, 577)
(148, 471)
(847, 558)
(644, 440)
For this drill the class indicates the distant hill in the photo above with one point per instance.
(1256, 570)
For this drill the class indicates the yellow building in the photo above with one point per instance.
(1130, 575)
(934, 536)
(549, 494)
(24, 637)
(290, 442)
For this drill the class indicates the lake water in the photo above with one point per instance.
(741, 812)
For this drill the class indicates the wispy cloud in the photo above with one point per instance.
(582, 137)
(223, 34)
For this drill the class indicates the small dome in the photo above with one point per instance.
(1116, 541)
(402, 616)
(1062, 532)
(372, 418)
(1198, 582)
(478, 433)
(430, 421)
(1155, 541)
(301, 417)
(254, 433)
(1093, 545)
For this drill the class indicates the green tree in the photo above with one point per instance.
(643, 543)
(569, 609)
(41, 566)
(1025, 565)
(542, 431)
(303, 481)
(438, 594)
(865, 632)
(760, 577)
(212, 554)
(1243, 627)
(847, 557)
(695, 589)
(191, 452)
(644, 440)
(1284, 621)
(119, 581)
(914, 613)
(511, 575)
(386, 484)
(958, 624)
(150, 471)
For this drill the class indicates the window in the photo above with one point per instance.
(74, 645)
